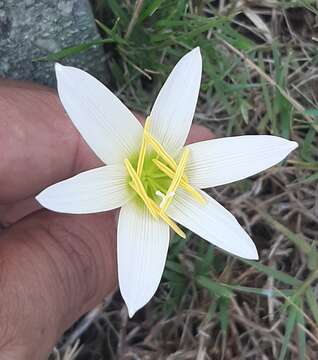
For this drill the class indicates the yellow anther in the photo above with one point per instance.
(154, 209)
(172, 224)
(161, 151)
(176, 179)
(166, 219)
(137, 185)
(143, 148)
(166, 170)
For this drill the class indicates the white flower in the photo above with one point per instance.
(152, 176)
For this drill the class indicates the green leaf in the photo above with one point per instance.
(270, 293)
(291, 321)
(149, 10)
(301, 334)
(173, 276)
(307, 145)
(174, 266)
(276, 274)
(115, 37)
(211, 311)
(224, 314)
(311, 112)
(117, 10)
(205, 258)
(312, 303)
(73, 50)
(297, 240)
(214, 287)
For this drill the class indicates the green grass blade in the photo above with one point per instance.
(290, 324)
(276, 274)
(312, 303)
(270, 293)
(301, 335)
(117, 10)
(214, 287)
(73, 50)
(297, 240)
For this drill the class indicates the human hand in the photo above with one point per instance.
(53, 267)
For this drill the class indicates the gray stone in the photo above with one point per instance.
(30, 29)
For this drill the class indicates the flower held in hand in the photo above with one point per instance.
(152, 176)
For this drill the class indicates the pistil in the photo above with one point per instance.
(176, 179)
(165, 169)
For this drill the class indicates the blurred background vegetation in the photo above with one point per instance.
(259, 77)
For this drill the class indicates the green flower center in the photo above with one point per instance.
(152, 178)
(155, 176)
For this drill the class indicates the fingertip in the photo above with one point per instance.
(199, 133)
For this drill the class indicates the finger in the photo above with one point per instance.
(199, 133)
(11, 213)
(38, 143)
(54, 268)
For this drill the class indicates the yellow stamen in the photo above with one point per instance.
(170, 222)
(176, 179)
(137, 185)
(153, 207)
(143, 148)
(165, 169)
(161, 151)
(171, 169)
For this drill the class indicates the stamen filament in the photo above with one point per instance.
(143, 148)
(170, 222)
(170, 169)
(153, 207)
(176, 179)
(165, 169)
(137, 185)
(161, 151)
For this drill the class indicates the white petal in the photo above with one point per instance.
(173, 111)
(213, 223)
(222, 161)
(105, 123)
(142, 246)
(92, 191)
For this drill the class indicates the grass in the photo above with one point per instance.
(259, 77)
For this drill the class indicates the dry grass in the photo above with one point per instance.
(209, 305)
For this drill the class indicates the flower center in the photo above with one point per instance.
(155, 177)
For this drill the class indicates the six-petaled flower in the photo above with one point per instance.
(153, 176)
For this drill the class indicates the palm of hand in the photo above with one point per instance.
(54, 267)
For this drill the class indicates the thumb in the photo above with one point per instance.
(54, 268)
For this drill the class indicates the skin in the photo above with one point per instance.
(53, 267)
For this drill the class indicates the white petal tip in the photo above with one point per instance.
(46, 201)
(193, 55)
(254, 256)
(195, 52)
(250, 253)
(247, 249)
(293, 145)
(38, 199)
(42, 200)
(58, 67)
(287, 146)
(131, 312)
